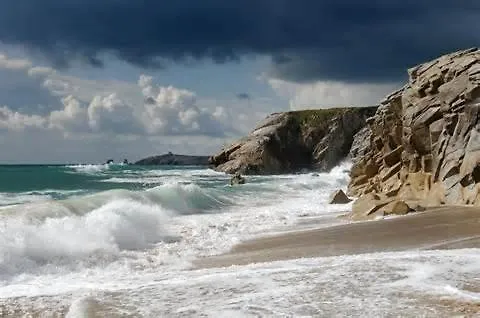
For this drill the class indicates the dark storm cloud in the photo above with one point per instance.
(352, 40)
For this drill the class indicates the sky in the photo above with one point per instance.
(88, 80)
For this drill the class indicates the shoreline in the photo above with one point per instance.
(449, 227)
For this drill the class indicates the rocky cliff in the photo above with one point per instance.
(291, 141)
(423, 144)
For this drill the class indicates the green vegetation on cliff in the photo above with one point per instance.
(321, 117)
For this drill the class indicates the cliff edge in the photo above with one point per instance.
(423, 144)
(292, 141)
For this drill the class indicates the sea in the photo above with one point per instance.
(98, 240)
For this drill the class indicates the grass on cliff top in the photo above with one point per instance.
(316, 117)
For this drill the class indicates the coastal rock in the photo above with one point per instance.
(339, 197)
(174, 159)
(367, 205)
(397, 207)
(293, 141)
(423, 144)
(373, 205)
(237, 179)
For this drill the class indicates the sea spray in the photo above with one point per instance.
(90, 168)
(77, 241)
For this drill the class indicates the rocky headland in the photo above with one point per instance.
(174, 159)
(419, 148)
(292, 141)
(422, 147)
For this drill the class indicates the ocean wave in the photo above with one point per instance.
(146, 177)
(73, 242)
(94, 229)
(180, 198)
(139, 180)
(188, 198)
(116, 226)
(325, 182)
(7, 199)
(90, 168)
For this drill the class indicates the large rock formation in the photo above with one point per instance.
(174, 159)
(423, 144)
(291, 141)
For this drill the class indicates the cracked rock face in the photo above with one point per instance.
(423, 144)
(292, 141)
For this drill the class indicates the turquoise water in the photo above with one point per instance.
(26, 183)
(190, 189)
(91, 178)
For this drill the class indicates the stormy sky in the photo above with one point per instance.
(146, 76)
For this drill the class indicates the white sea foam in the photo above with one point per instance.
(90, 168)
(139, 180)
(146, 177)
(83, 307)
(370, 285)
(79, 241)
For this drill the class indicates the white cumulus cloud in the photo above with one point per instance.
(106, 107)
(112, 114)
(169, 110)
(327, 94)
(16, 121)
(72, 118)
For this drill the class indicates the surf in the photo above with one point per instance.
(117, 230)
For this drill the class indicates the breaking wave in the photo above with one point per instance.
(85, 231)
(90, 168)
(94, 229)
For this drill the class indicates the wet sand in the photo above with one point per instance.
(438, 228)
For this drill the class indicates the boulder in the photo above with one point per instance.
(372, 205)
(366, 206)
(294, 141)
(423, 143)
(339, 197)
(397, 207)
(237, 179)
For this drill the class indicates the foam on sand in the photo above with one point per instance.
(368, 285)
(440, 228)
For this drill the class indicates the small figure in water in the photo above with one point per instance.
(125, 162)
(237, 179)
(109, 161)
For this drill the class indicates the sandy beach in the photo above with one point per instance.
(437, 228)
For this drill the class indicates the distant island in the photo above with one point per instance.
(174, 159)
